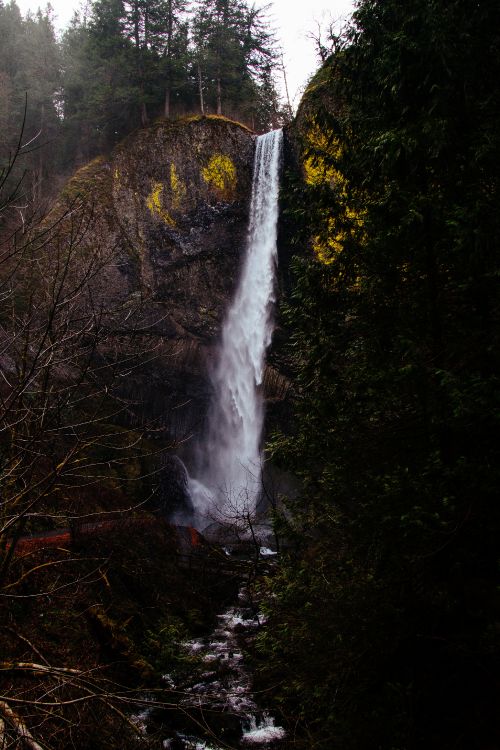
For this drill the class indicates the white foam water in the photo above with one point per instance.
(226, 686)
(229, 475)
(262, 732)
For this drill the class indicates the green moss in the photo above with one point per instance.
(320, 81)
(221, 118)
(114, 636)
(164, 648)
(164, 123)
(213, 118)
(322, 154)
(91, 178)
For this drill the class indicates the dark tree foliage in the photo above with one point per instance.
(235, 55)
(384, 619)
(132, 61)
(100, 87)
(119, 65)
(175, 58)
(30, 83)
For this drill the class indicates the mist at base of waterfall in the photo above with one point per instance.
(235, 525)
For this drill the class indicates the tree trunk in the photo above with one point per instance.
(168, 50)
(140, 67)
(219, 97)
(144, 114)
(38, 176)
(200, 88)
(286, 87)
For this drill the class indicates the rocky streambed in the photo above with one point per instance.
(217, 708)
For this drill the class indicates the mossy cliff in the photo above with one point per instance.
(316, 190)
(168, 212)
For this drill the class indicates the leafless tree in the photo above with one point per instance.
(64, 352)
(329, 37)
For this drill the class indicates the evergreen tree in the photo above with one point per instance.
(102, 94)
(80, 133)
(121, 67)
(175, 55)
(233, 47)
(12, 79)
(385, 613)
(43, 86)
(30, 91)
(144, 27)
(116, 95)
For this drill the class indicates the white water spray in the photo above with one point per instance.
(229, 474)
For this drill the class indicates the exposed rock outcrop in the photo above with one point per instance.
(168, 211)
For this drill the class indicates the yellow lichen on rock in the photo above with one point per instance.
(177, 187)
(330, 243)
(214, 118)
(154, 203)
(117, 179)
(220, 173)
(322, 148)
(323, 152)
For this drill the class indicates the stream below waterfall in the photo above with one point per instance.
(217, 700)
(217, 709)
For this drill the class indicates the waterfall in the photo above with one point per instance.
(228, 477)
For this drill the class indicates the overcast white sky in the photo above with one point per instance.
(293, 20)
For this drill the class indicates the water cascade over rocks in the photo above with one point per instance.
(217, 696)
(229, 467)
(225, 687)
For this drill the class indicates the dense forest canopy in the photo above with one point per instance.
(382, 628)
(121, 64)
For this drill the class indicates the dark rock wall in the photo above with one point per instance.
(168, 213)
(181, 192)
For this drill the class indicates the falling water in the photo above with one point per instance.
(229, 473)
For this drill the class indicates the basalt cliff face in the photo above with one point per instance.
(168, 212)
